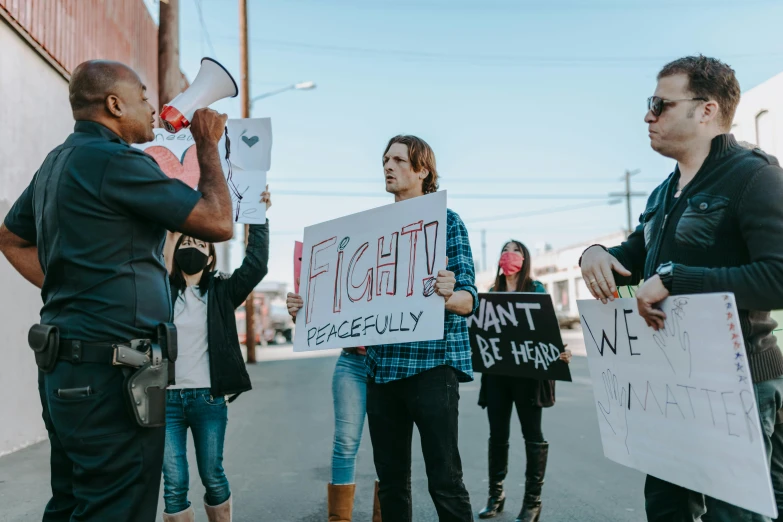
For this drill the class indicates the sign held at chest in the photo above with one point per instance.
(517, 334)
(369, 278)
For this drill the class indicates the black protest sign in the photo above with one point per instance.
(517, 334)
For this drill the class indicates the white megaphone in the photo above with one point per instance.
(213, 82)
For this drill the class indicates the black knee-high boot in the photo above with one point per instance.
(537, 453)
(498, 467)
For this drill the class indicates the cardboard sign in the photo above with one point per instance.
(368, 278)
(679, 403)
(177, 158)
(517, 334)
(251, 143)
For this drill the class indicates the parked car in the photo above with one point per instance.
(566, 320)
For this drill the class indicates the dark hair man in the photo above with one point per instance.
(89, 231)
(417, 383)
(715, 225)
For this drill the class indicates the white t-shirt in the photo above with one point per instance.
(190, 317)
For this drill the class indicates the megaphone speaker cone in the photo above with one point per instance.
(213, 82)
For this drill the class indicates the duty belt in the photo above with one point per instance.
(133, 354)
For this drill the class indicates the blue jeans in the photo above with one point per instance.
(349, 391)
(207, 417)
(666, 502)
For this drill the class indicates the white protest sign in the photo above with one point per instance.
(176, 156)
(679, 404)
(251, 143)
(368, 278)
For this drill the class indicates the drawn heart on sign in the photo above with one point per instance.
(249, 141)
(184, 169)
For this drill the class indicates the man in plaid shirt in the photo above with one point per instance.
(419, 382)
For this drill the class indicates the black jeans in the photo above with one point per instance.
(667, 502)
(431, 401)
(104, 467)
(503, 393)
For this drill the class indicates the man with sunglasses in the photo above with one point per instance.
(714, 225)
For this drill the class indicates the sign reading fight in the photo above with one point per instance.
(517, 334)
(369, 278)
(679, 404)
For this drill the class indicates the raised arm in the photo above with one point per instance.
(211, 219)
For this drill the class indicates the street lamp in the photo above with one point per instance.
(301, 86)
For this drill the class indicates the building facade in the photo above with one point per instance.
(759, 118)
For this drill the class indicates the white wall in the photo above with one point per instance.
(35, 118)
(768, 134)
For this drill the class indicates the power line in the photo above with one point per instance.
(483, 59)
(204, 30)
(514, 180)
(536, 5)
(451, 196)
(539, 212)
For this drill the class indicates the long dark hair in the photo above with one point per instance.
(177, 278)
(524, 283)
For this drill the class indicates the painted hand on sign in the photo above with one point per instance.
(615, 408)
(674, 341)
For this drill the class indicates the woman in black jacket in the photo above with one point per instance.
(209, 367)
(500, 393)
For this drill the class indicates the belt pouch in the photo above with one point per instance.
(45, 343)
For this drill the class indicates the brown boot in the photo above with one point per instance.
(340, 502)
(376, 506)
(219, 513)
(183, 516)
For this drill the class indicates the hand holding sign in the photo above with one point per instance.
(648, 296)
(266, 197)
(597, 265)
(444, 283)
(294, 303)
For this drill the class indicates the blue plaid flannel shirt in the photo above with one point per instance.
(391, 362)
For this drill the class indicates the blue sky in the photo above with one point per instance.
(527, 98)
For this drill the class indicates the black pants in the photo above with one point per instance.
(431, 401)
(503, 393)
(104, 467)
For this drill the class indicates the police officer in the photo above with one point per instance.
(89, 231)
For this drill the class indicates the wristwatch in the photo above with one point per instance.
(666, 273)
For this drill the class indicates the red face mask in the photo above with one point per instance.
(511, 262)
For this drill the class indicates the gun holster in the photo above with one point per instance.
(45, 343)
(146, 387)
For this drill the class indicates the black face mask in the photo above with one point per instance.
(191, 260)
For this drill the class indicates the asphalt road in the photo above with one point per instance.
(279, 442)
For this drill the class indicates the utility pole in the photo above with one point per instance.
(628, 195)
(244, 92)
(169, 75)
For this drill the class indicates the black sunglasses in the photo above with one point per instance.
(656, 104)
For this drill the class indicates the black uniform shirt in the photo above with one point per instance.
(98, 211)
